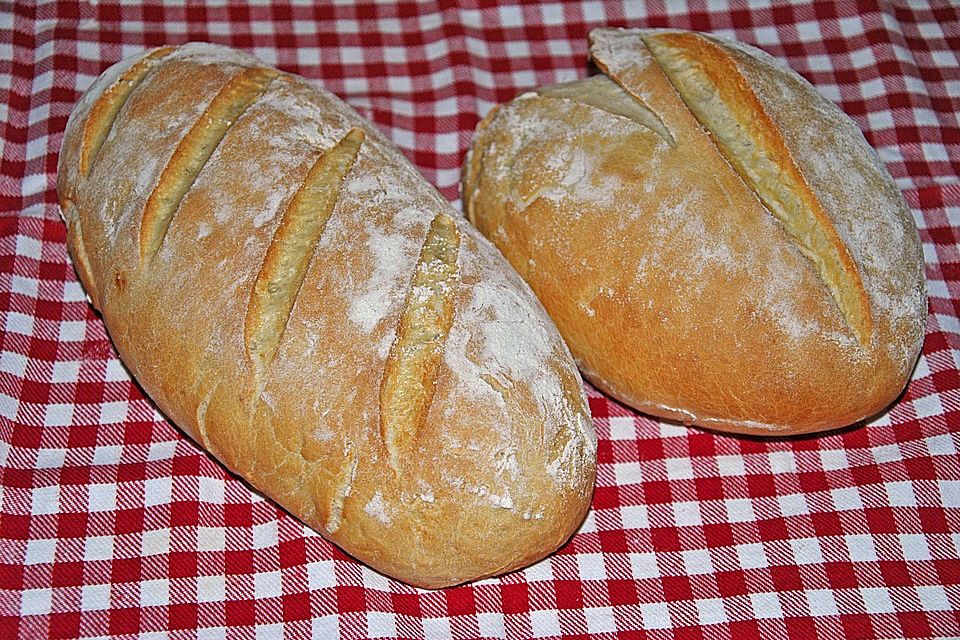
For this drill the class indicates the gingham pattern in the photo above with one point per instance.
(113, 524)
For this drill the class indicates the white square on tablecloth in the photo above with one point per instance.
(267, 585)
(155, 593)
(914, 547)
(622, 428)
(269, 631)
(51, 458)
(211, 588)
(941, 445)
(697, 562)
(562, 48)
(45, 500)
(211, 490)
(766, 605)
(846, 499)
(491, 625)
(163, 450)
(687, 514)
(73, 292)
(670, 430)
(28, 247)
(928, 406)
(600, 620)
(541, 571)
(752, 556)
(593, 12)
(102, 497)
(36, 602)
(627, 473)
(934, 598)
(510, 16)
(326, 627)
(381, 624)
(544, 624)
(819, 62)
(58, 415)
(95, 597)
(850, 25)
(900, 494)
(806, 551)
(25, 286)
(711, 611)
(115, 372)
(114, 412)
(40, 551)
(266, 535)
(107, 455)
(212, 633)
(949, 493)
(740, 510)
(644, 565)
(877, 600)
(155, 542)
(861, 548)
(157, 491)
(98, 548)
(591, 566)
(833, 459)
(211, 539)
(373, 580)
(438, 628)
(822, 603)
(679, 469)
(65, 371)
(655, 615)
(635, 516)
(73, 330)
(321, 574)
(12, 362)
(731, 466)
(8, 406)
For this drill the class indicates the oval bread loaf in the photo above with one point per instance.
(296, 298)
(716, 242)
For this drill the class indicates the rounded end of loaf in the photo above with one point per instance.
(768, 286)
(462, 539)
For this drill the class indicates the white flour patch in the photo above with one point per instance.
(378, 509)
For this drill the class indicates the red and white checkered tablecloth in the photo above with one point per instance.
(113, 524)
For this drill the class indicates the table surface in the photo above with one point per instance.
(112, 523)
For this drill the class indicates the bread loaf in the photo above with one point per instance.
(295, 297)
(716, 242)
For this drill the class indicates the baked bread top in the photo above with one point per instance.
(717, 243)
(295, 297)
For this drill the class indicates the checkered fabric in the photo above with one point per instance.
(113, 524)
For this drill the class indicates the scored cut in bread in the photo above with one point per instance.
(716, 242)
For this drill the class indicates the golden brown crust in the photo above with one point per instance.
(501, 469)
(660, 260)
